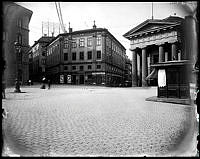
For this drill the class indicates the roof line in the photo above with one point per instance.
(90, 30)
(150, 21)
(152, 30)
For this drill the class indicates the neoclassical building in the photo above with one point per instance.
(164, 53)
(154, 41)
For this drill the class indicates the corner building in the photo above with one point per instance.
(93, 56)
(15, 29)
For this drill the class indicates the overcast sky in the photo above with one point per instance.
(117, 17)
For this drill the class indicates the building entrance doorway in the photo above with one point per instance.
(81, 79)
(73, 79)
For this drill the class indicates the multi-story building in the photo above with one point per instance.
(15, 28)
(37, 58)
(128, 72)
(92, 56)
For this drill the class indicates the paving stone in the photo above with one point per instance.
(106, 121)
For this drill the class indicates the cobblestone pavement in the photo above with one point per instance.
(99, 121)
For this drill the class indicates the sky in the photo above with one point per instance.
(117, 17)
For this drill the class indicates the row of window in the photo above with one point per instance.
(23, 22)
(114, 47)
(89, 67)
(81, 55)
(35, 54)
(82, 42)
(81, 68)
(117, 52)
(52, 49)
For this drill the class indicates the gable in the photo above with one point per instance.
(151, 26)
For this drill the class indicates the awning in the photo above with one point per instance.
(153, 74)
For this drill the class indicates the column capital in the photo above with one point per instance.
(132, 49)
(173, 41)
(160, 44)
(143, 47)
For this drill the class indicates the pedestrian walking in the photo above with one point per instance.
(29, 82)
(3, 90)
(4, 116)
(198, 100)
(43, 83)
(49, 84)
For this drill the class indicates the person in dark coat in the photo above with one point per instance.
(49, 83)
(4, 116)
(3, 90)
(198, 100)
(43, 83)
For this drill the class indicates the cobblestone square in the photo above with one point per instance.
(96, 121)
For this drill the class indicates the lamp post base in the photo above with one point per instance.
(43, 86)
(17, 87)
(17, 91)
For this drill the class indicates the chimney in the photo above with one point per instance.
(94, 26)
(70, 29)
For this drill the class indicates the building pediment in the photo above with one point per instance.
(152, 25)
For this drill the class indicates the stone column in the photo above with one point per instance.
(161, 53)
(191, 38)
(144, 67)
(134, 68)
(179, 55)
(166, 56)
(174, 53)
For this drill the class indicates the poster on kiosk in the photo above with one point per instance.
(69, 79)
(61, 79)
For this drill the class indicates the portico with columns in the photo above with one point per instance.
(152, 42)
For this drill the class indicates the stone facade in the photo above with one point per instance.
(93, 56)
(37, 58)
(154, 41)
(15, 28)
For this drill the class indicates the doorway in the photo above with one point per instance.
(81, 80)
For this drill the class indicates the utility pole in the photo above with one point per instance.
(53, 29)
(48, 28)
(152, 10)
(59, 28)
(42, 28)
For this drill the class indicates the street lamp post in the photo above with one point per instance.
(17, 82)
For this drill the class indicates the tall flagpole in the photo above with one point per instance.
(152, 9)
(59, 28)
(48, 28)
(53, 30)
(42, 28)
